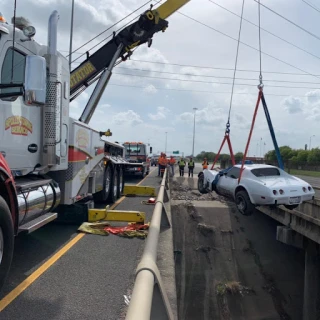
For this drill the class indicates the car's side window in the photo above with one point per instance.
(234, 173)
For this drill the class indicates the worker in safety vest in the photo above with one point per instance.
(181, 165)
(163, 162)
(172, 162)
(205, 164)
(159, 164)
(191, 167)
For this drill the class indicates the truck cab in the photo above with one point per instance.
(136, 155)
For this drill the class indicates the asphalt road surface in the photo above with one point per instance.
(89, 281)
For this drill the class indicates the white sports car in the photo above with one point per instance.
(260, 185)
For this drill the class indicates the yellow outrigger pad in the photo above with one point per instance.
(115, 215)
(139, 191)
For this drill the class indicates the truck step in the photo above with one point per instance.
(38, 223)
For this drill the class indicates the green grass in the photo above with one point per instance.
(304, 173)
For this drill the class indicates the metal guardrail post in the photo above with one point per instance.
(142, 304)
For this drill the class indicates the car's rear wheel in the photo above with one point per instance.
(243, 203)
(291, 206)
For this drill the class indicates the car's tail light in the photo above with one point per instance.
(304, 189)
(274, 192)
(281, 191)
(309, 188)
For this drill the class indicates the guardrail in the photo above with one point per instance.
(149, 299)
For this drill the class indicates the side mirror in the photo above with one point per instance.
(150, 150)
(35, 82)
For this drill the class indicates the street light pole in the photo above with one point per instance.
(310, 141)
(165, 150)
(194, 129)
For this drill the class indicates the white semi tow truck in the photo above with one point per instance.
(51, 163)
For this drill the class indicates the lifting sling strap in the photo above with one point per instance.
(226, 138)
(274, 140)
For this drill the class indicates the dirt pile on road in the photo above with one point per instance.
(184, 192)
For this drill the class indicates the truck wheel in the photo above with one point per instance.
(103, 195)
(6, 241)
(243, 203)
(120, 183)
(114, 186)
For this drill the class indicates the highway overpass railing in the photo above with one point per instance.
(149, 299)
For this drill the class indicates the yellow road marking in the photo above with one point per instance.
(43, 268)
(145, 177)
(35, 275)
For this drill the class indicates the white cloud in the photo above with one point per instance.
(160, 115)
(150, 89)
(128, 118)
(293, 105)
(208, 116)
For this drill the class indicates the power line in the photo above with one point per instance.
(211, 92)
(311, 5)
(293, 23)
(217, 68)
(211, 82)
(112, 26)
(274, 35)
(217, 77)
(247, 45)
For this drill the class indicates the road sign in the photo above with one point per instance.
(175, 152)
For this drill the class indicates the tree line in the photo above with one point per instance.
(287, 154)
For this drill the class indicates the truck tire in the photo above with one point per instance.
(104, 194)
(244, 204)
(6, 241)
(114, 186)
(120, 182)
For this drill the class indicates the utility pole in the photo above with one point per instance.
(310, 141)
(194, 129)
(71, 35)
(165, 150)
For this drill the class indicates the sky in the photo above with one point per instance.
(151, 98)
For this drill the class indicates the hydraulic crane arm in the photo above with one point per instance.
(137, 33)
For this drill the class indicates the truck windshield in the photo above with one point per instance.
(133, 149)
(266, 172)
